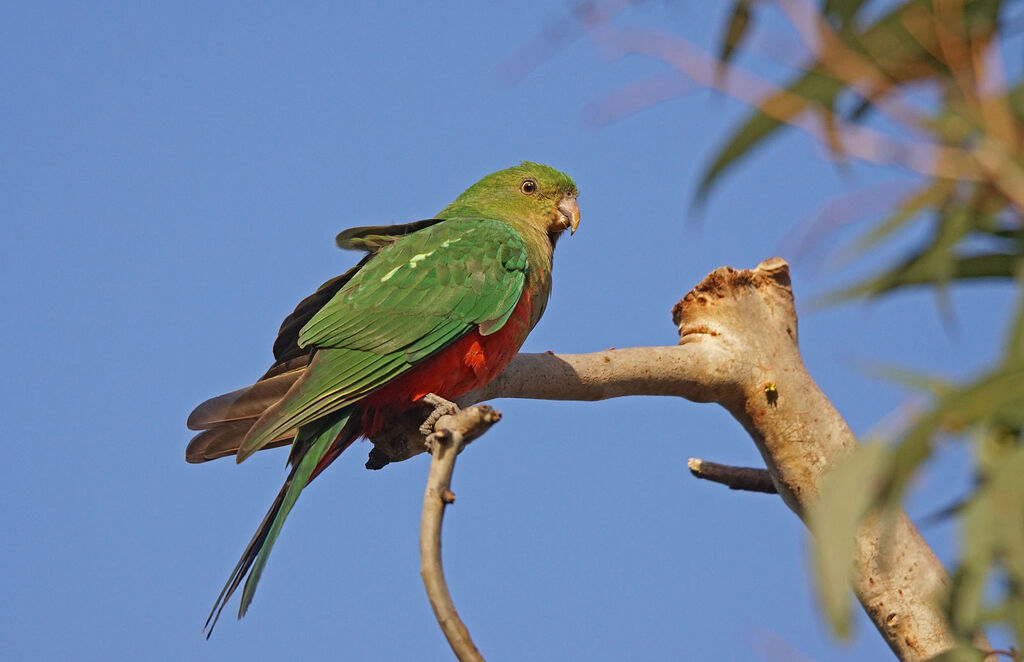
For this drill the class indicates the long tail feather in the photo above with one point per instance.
(245, 562)
(245, 403)
(311, 446)
(226, 419)
(224, 439)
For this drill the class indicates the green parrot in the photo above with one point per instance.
(436, 306)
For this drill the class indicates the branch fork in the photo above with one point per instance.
(738, 348)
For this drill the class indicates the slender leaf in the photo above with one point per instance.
(912, 379)
(1015, 341)
(901, 55)
(841, 12)
(735, 31)
(812, 89)
(930, 196)
(962, 653)
(834, 519)
(997, 396)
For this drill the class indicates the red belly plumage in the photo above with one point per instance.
(466, 364)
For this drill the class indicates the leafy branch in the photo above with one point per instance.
(967, 149)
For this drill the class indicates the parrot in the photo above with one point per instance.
(434, 307)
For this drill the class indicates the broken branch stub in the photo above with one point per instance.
(750, 316)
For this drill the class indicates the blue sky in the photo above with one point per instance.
(172, 176)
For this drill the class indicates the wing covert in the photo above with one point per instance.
(446, 278)
(413, 298)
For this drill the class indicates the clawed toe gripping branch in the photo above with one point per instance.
(737, 348)
(442, 407)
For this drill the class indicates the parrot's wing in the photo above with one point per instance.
(286, 345)
(373, 237)
(370, 238)
(415, 296)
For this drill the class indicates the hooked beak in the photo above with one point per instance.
(569, 209)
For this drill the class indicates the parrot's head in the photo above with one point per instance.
(529, 194)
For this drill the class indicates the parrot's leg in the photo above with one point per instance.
(442, 407)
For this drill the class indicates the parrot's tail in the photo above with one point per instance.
(226, 419)
(314, 444)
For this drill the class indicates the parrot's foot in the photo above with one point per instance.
(442, 407)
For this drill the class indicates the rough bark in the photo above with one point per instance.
(738, 348)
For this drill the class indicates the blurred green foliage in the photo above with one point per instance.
(968, 148)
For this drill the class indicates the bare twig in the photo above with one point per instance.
(748, 479)
(451, 433)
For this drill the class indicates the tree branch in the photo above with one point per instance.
(738, 348)
(747, 479)
(451, 434)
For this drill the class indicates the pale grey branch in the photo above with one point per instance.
(451, 433)
(747, 479)
(738, 348)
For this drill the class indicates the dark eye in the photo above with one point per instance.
(528, 187)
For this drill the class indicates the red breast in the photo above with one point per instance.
(467, 364)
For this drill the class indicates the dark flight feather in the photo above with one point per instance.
(224, 439)
(372, 238)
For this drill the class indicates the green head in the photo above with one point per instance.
(529, 193)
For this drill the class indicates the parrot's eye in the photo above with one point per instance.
(528, 187)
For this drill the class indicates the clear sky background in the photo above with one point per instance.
(172, 176)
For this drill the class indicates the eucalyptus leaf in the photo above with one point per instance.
(735, 31)
(834, 520)
(1000, 393)
(840, 12)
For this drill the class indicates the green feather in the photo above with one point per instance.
(393, 313)
(311, 445)
(368, 314)
(421, 287)
(319, 439)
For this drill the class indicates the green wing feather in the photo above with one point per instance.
(369, 238)
(415, 296)
(311, 444)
